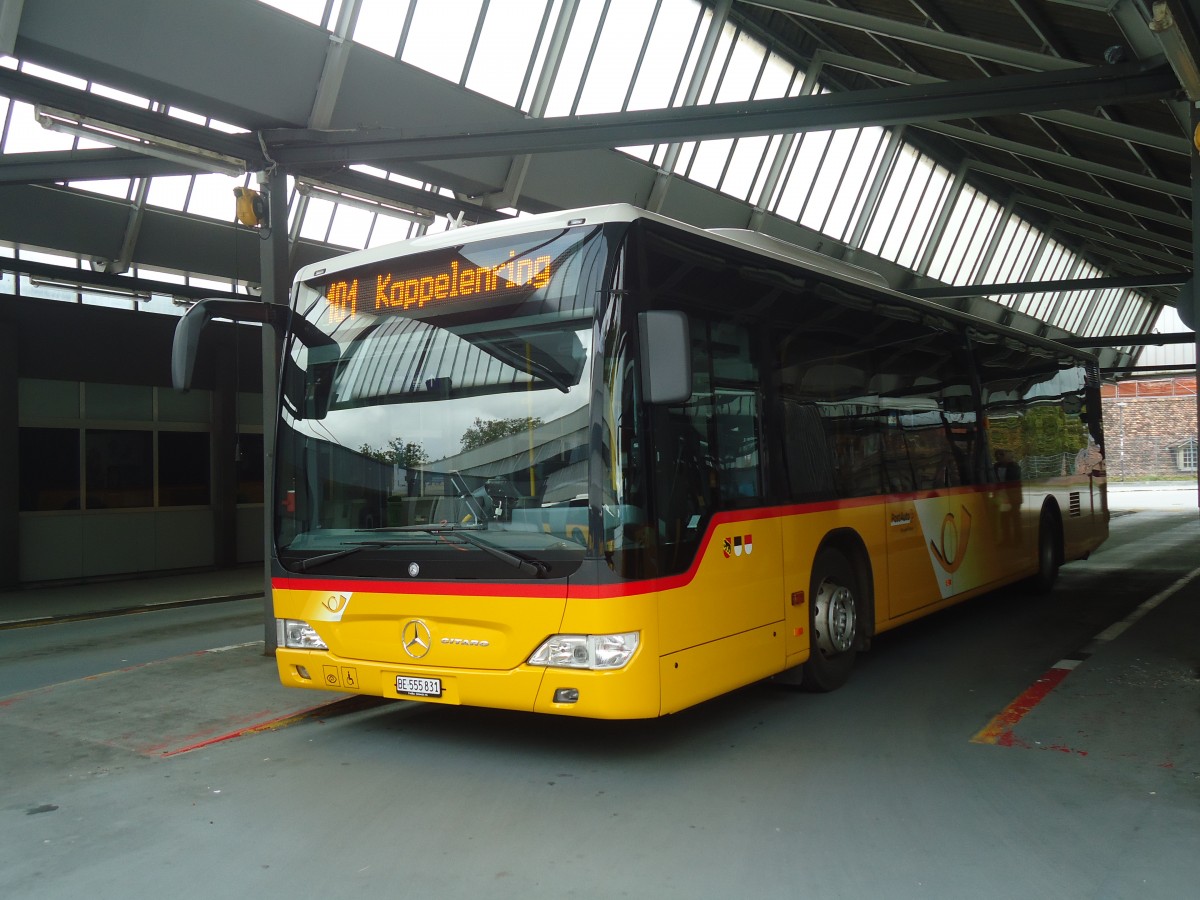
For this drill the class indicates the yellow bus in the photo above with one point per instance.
(600, 463)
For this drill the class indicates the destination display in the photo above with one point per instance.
(457, 281)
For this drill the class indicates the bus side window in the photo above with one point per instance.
(808, 461)
(685, 476)
(736, 429)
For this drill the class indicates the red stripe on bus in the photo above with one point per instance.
(604, 591)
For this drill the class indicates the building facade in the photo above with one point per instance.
(1150, 428)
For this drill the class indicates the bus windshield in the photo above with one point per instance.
(443, 411)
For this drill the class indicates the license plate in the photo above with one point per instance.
(418, 687)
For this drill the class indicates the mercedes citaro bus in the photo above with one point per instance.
(601, 463)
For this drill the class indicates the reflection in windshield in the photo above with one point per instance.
(428, 420)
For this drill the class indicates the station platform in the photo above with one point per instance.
(45, 605)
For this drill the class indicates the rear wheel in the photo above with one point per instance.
(1049, 551)
(834, 617)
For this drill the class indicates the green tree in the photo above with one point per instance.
(486, 431)
(397, 452)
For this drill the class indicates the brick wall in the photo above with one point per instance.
(1145, 422)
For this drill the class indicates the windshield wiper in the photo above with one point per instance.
(312, 562)
(519, 561)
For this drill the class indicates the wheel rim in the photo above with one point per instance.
(835, 618)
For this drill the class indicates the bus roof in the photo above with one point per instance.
(758, 242)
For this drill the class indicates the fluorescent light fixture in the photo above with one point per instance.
(142, 296)
(139, 142)
(360, 200)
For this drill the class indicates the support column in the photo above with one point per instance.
(275, 278)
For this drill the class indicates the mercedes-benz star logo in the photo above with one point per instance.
(415, 638)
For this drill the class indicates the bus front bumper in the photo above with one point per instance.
(628, 693)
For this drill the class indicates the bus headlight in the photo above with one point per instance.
(298, 635)
(586, 651)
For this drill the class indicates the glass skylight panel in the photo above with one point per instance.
(439, 36)
(777, 78)
(708, 163)
(988, 222)
(404, 179)
(921, 228)
(674, 32)
(169, 191)
(644, 152)
(225, 126)
(716, 68)
(575, 56)
(211, 284)
(389, 229)
(505, 47)
(212, 196)
(853, 181)
(120, 188)
(826, 178)
(380, 24)
(962, 248)
(318, 214)
(805, 161)
(34, 69)
(616, 56)
(744, 166)
(733, 164)
(187, 116)
(747, 59)
(25, 135)
(1016, 250)
(350, 227)
(103, 90)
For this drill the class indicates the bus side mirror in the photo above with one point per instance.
(189, 328)
(666, 357)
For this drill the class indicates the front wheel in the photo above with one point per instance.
(834, 617)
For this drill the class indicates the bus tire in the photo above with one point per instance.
(1049, 556)
(835, 620)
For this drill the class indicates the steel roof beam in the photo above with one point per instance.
(1130, 228)
(1067, 190)
(39, 91)
(973, 98)
(1072, 163)
(47, 167)
(918, 34)
(1171, 143)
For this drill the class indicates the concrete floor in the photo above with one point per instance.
(155, 755)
